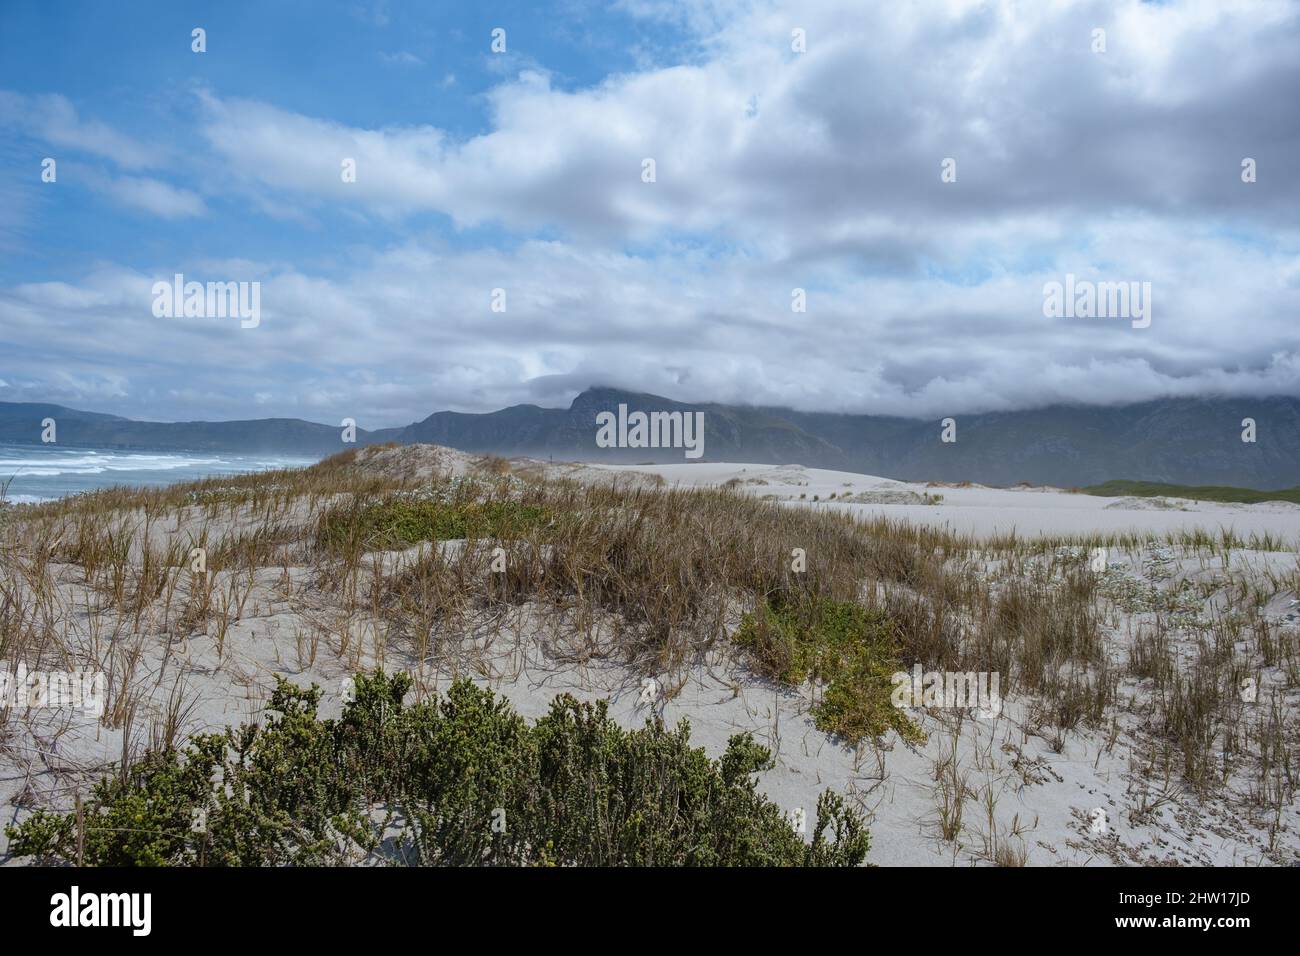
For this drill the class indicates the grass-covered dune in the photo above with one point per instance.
(1121, 657)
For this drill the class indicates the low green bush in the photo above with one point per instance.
(460, 780)
(853, 651)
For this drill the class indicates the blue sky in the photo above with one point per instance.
(777, 168)
(361, 64)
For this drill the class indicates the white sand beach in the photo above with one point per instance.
(975, 509)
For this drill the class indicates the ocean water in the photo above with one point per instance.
(42, 472)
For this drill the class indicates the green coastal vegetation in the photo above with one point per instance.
(1152, 489)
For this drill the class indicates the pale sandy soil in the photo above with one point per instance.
(1024, 791)
(1030, 512)
(1044, 800)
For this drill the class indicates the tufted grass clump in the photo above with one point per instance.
(852, 650)
(460, 780)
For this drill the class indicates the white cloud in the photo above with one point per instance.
(854, 129)
(409, 330)
(54, 119)
(152, 196)
(401, 58)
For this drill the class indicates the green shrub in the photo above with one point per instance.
(853, 651)
(455, 781)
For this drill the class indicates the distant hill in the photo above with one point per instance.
(1177, 441)
(1185, 441)
(20, 422)
(731, 433)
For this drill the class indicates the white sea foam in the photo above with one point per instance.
(93, 463)
(42, 472)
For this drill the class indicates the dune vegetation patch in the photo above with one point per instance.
(852, 650)
(1227, 493)
(457, 780)
(400, 523)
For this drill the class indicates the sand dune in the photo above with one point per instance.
(1029, 793)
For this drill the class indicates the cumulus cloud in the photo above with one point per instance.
(851, 134)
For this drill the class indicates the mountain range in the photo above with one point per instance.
(1178, 440)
